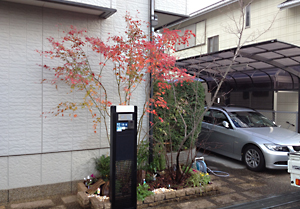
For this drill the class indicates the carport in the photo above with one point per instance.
(259, 70)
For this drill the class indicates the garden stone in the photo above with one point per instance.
(159, 197)
(96, 204)
(180, 193)
(190, 191)
(149, 199)
(198, 190)
(81, 187)
(139, 202)
(83, 199)
(107, 205)
(208, 188)
(170, 195)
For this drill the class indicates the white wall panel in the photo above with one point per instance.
(56, 167)
(83, 163)
(3, 172)
(24, 29)
(175, 6)
(24, 171)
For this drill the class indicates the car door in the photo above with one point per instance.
(205, 140)
(215, 137)
(222, 137)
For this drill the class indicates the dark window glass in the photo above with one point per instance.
(213, 44)
(248, 15)
(250, 120)
(207, 117)
(219, 117)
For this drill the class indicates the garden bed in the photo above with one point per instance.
(91, 201)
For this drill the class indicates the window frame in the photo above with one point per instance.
(199, 29)
(214, 41)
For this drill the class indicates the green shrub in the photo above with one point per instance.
(103, 166)
(159, 161)
(189, 102)
(142, 191)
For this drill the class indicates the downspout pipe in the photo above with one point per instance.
(151, 87)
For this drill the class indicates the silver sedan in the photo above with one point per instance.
(246, 135)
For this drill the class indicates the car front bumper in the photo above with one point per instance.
(275, 159)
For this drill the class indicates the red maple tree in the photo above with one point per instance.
(132, 58)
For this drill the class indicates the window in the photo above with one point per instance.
(200, 33)
(247, 16)
(219, 117)
(191, 40)
(215, 117)
(213, 44)
(207, 117)
(199, 30)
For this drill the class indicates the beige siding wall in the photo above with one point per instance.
(287, 109)
(285, 25)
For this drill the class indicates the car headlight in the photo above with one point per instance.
(276, 147)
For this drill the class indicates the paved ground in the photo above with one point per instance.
(244, 188)
(241, 189)
(54, 202)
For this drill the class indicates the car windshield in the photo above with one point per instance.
(250, 119)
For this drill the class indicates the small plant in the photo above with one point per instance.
(143, 191)
(159, 161)
(142, 155)
(89, 180)
(103, 166)
(198, 179)
(185, 169)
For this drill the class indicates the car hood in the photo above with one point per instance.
(275, 135)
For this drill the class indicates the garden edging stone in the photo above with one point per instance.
(151, 201)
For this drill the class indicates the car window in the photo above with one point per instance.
(219, 117)
(207, 117)
(250, 119)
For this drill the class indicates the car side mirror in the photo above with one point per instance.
(225, 124)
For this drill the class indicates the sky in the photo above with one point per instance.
(195, 5)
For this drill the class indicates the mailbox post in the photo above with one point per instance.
(123, 156)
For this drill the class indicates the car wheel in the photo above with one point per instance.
(254, 158)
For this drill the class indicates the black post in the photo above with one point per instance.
(123, 157)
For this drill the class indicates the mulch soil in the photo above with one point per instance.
(168, 179)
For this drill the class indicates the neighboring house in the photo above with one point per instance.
(45, 156)
(266, 72)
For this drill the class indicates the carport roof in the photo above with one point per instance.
(289, 4)
(265, 59)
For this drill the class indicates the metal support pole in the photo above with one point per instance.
(298, 118)
(151, 90)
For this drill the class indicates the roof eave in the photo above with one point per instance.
(211, 8)
(102, 12)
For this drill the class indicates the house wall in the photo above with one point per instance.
(287, 109)
(35, 150)
(173, 6)
(264, 13)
